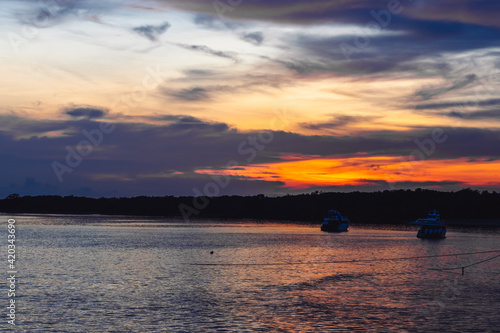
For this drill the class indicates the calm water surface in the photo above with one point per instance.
(120, 274)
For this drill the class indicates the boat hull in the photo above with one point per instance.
(335, 227)
(428, 232)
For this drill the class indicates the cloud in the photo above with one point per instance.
(205, 49)
(85, 112)
(255, 38)
(152, 32)
(134, 156)
(181, 119)
(458, 104)
(214, 22)
(485, 114)
(208, 92)
(407, 45)
(355, 11)
(337, 122)
(44, 14)
(192, 94)
(458, 84)
(199, 73)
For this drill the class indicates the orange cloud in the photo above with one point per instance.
(361, 170)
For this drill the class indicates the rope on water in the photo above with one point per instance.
(464, 267)
(354, 260)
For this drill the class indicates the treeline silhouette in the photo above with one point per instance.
(399, 206)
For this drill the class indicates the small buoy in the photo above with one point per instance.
(211, 252)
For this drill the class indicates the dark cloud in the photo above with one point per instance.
(485, 114)
(408, 38)
(337, 122)
(181, 122)
(85, 112)
(205, 49)
(255, 38)
(152, 32)
(354, 11)
(192, 94)
(181, 119)
(460, 142)
(415, 41)
(207, 21)
(137, 159)
(459, 104)
(200, 72)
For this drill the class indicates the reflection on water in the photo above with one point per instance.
(152, 275)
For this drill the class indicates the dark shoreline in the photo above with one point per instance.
(466, 207)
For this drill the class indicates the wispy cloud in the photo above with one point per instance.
(485, 114)
(206, 50)
(458, 84)
(208, 92)
(338, 122)
(191, 94)
(458, 104)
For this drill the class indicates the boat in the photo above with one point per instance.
(335, 222)
(432, 226)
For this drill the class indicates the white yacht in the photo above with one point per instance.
(335, 222)
(432, 226)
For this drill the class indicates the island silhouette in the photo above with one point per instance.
(467, 206)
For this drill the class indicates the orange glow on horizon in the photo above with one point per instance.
(364, 170)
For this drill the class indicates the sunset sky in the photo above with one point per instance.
(127, 98)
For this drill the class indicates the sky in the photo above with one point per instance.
(240, 97)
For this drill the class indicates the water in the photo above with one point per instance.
(119, 274)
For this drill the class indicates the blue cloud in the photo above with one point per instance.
(152, 32)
